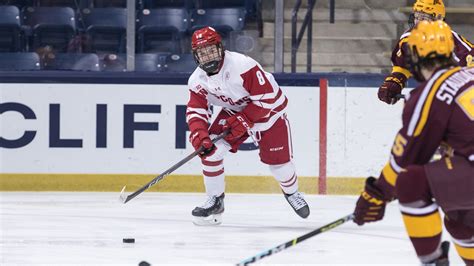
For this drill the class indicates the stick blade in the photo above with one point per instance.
(123, 197)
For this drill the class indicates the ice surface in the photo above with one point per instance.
(46, 228)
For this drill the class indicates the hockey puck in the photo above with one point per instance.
(128, 240)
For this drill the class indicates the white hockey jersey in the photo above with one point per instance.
(240, 86)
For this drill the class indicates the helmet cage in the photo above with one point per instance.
(209, 57)
(418, 16)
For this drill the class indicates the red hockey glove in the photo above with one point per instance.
(237, 125)
(200, 138)
(392, 87)
(371, 204)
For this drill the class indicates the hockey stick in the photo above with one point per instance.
(399, 96)
(295, 241)
(155, 180)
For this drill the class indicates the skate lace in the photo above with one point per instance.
(211, 200)
(297, 201)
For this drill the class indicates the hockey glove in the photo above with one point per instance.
(392, 87)
(237, 125)
(371, 204)
(200, 138)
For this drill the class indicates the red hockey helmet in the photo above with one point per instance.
(208, 50)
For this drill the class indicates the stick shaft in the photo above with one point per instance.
(295, 241)
(170, 170)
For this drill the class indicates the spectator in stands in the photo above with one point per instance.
(429, 10)
(46, 54)
(79, 43)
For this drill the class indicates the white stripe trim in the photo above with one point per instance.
(418, 211)
(266, 125)
(394, 165)
(460, 40)
(197, 110)
(265, 96)
(208, 168)
(455, 57)
(463, 242)
(406, 34)
(419, 105)
(189, 117)
(272, 106)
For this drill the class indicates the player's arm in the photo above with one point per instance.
(263, 98)
(396, 81)
(197, 117)
(463, 50)
(424, 122)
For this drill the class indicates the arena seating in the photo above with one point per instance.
(52, 26)
(60, 3)
(178, 63)
(148, 62)
(18, 3)
(55, 28)
(149, 4)
(19, 61)
(106, 29)
(10, 29)
(107, 3)
(160, 30)
(71, 61)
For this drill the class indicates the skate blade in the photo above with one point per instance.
(215, 219)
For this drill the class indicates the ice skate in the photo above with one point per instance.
(297, 202)
(210, 213)
(443, 260)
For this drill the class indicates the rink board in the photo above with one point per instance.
(134, 130)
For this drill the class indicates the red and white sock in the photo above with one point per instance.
(213, 172)
(286, 175)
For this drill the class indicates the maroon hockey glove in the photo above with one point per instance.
(392, 87)
(371, 204)
(237, 125)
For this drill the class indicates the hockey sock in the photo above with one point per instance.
(424, 227)
(286, 175)
(213, 173)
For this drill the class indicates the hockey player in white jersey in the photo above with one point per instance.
(252, 105)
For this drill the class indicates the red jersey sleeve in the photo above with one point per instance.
(197, 111)
(262, 93)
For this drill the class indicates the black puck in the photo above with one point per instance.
(144, 263)
(128, 240)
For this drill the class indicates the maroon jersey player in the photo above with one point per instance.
(428, 10)
(252, 105)
(439, 111)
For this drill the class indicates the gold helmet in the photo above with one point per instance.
(431, 7)
(429, 40)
